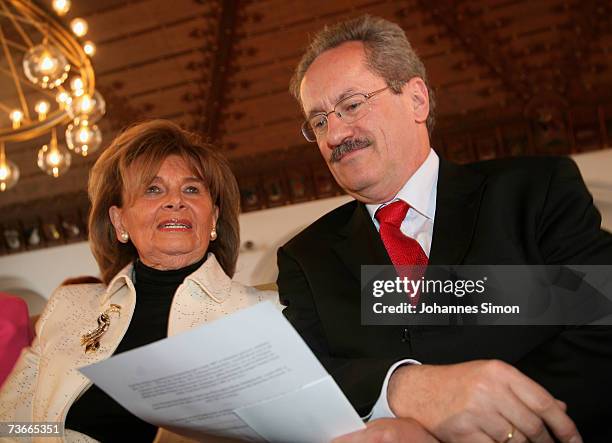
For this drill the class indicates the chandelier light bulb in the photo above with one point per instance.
(63, 98)
(9, 172)
(87, 107)
(86, 103)
(83, 137)
(77, 86)
(61, 7)
(42, 108)
(45, 65)
(16, 117)
(79, 27)
(53, 159)
(9, 175)
(89, 48)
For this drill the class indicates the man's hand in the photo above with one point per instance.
(389, 430)
(479, 401)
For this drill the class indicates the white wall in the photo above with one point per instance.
(596, 169)
(39, 272)
(33, 274)
(271, 228)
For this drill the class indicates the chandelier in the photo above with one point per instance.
(46, 82)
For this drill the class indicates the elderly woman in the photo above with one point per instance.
(163, 228)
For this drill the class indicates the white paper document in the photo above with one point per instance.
(248, 375)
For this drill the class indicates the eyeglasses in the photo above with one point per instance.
(349, 110)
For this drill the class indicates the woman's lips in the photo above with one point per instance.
(175, 225)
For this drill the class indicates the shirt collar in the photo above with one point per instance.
(420, 189)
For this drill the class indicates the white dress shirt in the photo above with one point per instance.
(420, 193)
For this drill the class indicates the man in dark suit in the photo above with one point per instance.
(367, 104)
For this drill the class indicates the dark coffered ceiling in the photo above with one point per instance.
(510, 78)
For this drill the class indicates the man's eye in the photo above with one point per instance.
(318, 122)
(353, 106)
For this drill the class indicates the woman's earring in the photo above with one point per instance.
(124, 236)
(213, 234)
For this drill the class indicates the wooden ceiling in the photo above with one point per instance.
(510, 78)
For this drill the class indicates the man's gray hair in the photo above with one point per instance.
(388, 54)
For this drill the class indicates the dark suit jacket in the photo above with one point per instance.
(512, 211)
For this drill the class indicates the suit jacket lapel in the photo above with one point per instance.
(457, 203)
(360, 243)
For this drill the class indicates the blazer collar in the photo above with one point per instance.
(212, 279)
(209, 277)
(123, 278)
(458, 201)
(360, 243)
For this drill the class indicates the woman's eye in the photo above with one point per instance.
(152, 189)
(192, 189)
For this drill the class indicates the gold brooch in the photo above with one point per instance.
(91, 340)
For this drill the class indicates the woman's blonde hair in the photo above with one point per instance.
(131, 162)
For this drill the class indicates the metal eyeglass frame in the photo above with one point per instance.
(307, 128)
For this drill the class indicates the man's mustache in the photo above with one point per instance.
(348, 146)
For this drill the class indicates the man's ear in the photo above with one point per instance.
(115, 213)
(419, 97)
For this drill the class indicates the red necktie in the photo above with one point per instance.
(402, 250)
